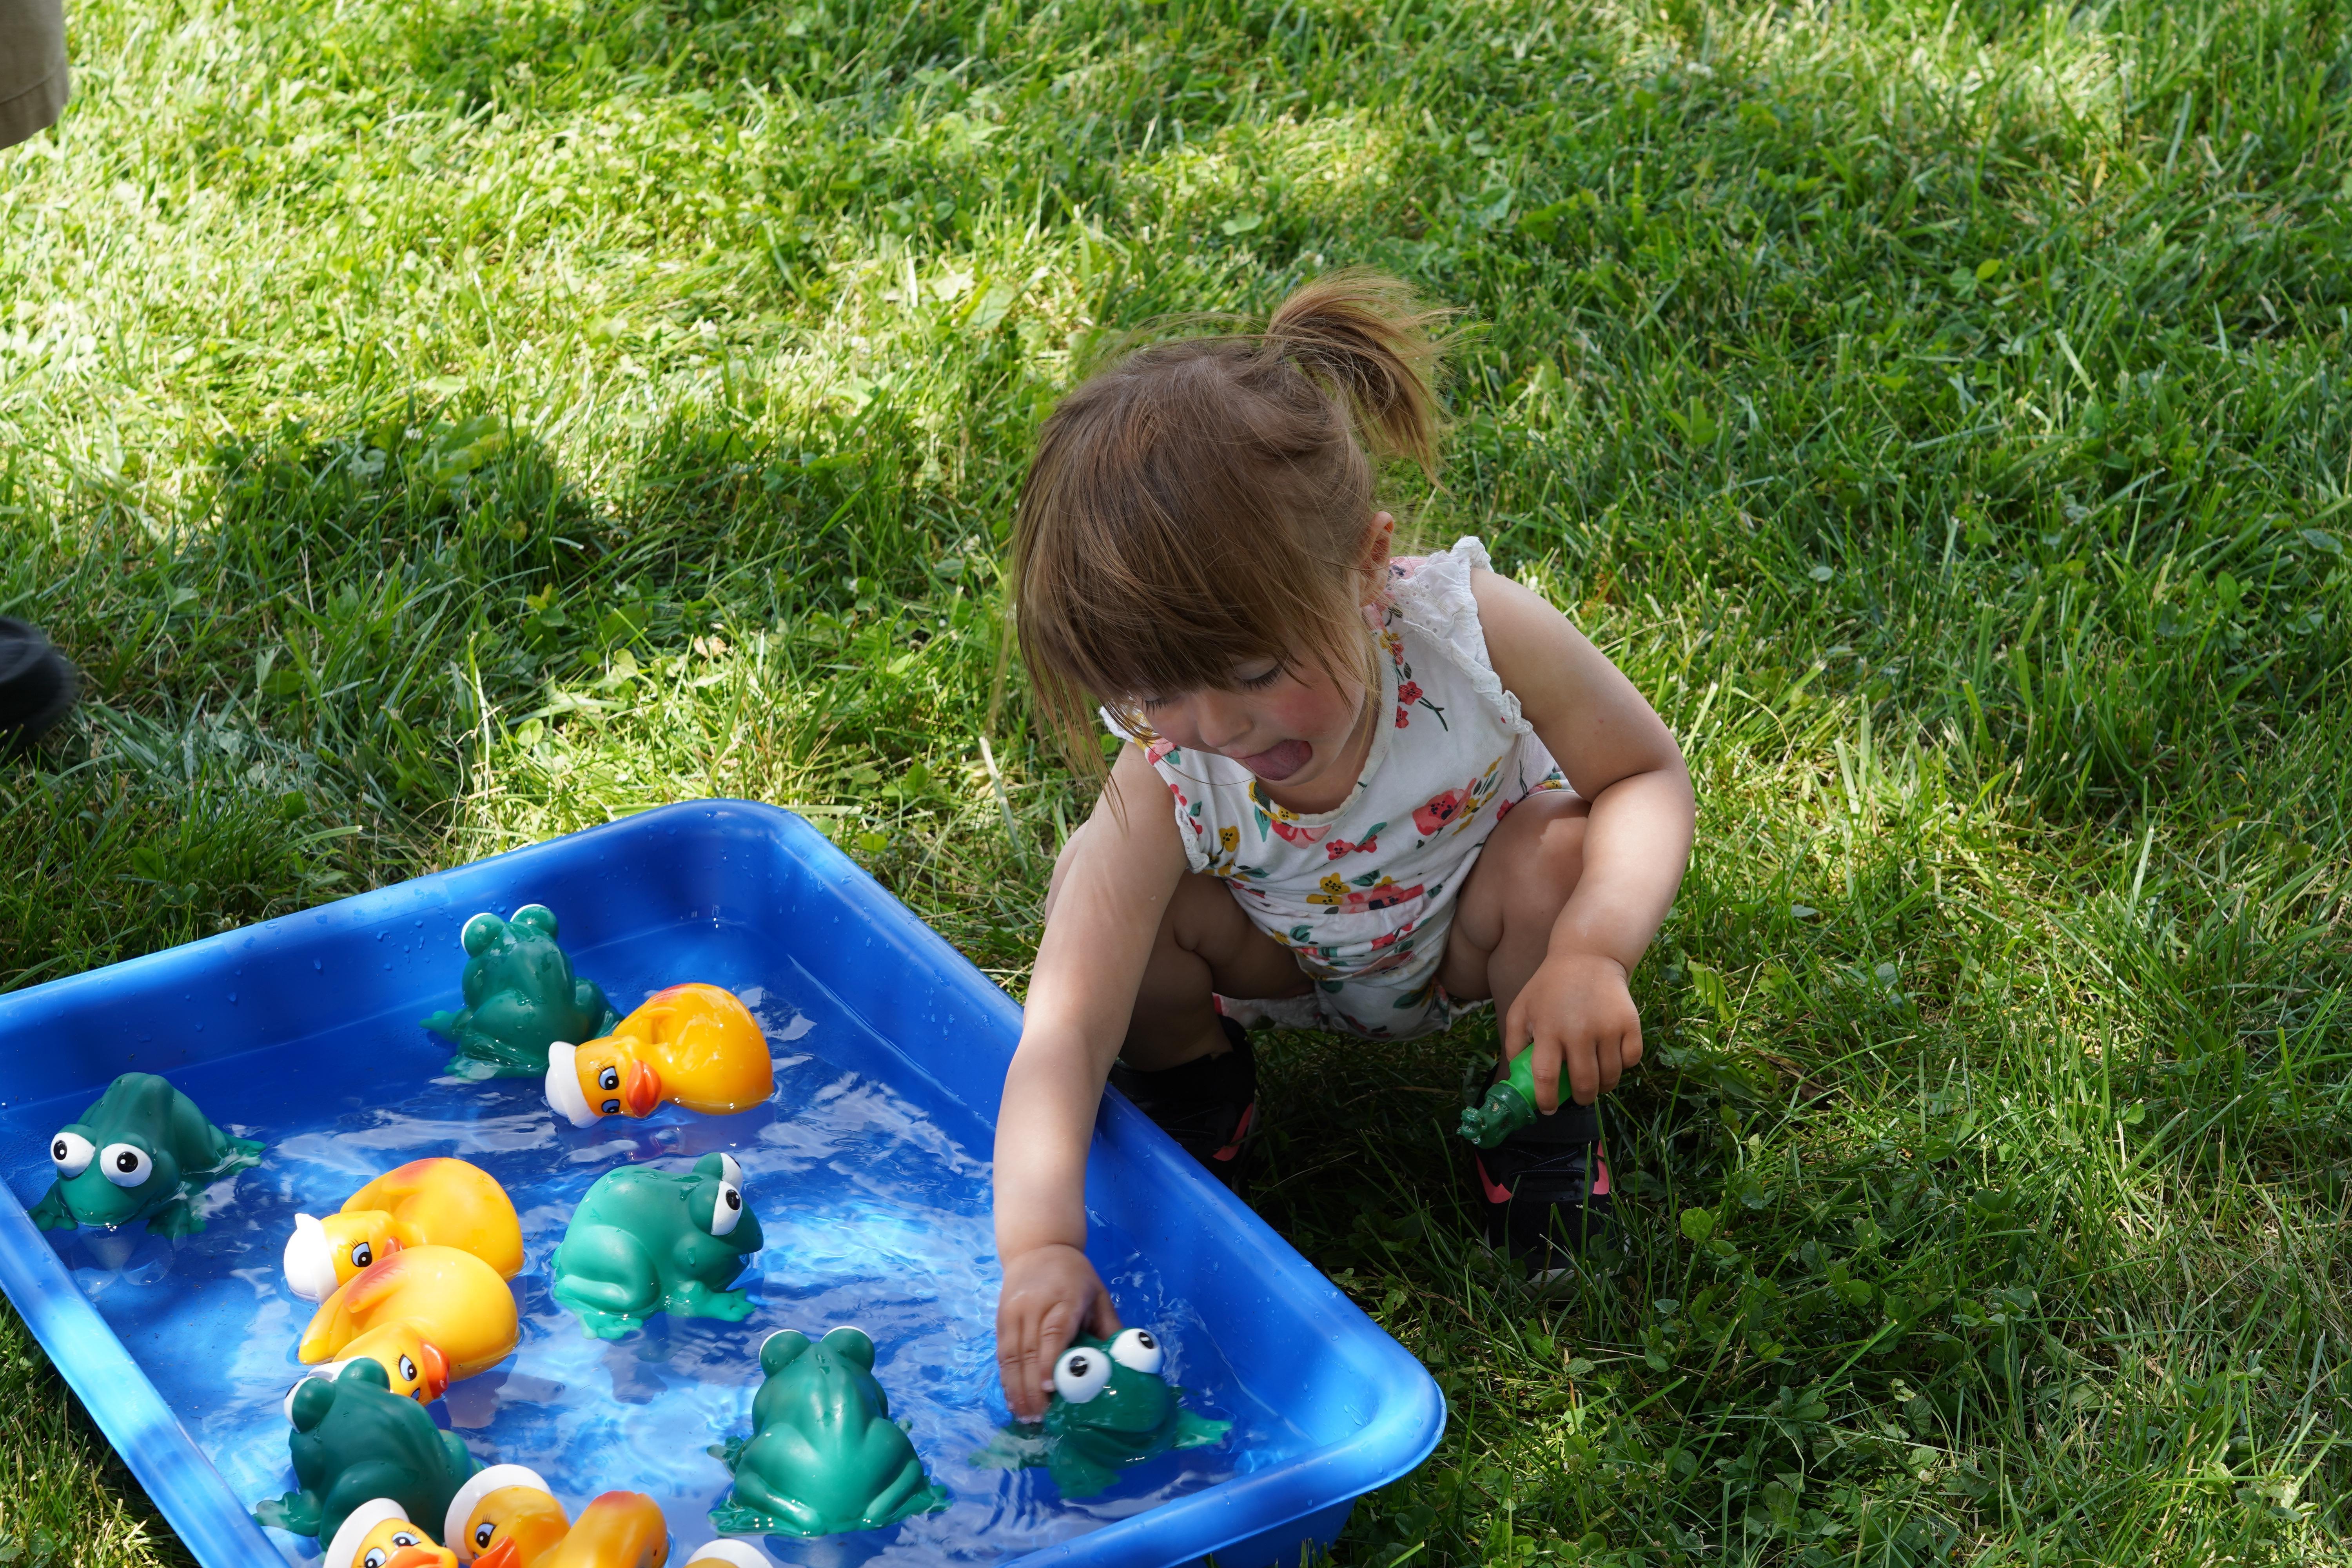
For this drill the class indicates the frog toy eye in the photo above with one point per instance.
(1080, 1374)
(729, 1171)
(1138, 1351)
(362, 1255)
(71, 1154)
(726, 1209)
(126, 1164)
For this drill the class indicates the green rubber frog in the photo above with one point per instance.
(1510, 1104)
(354, 1440)
(521, 998)
(143, 1152)
(824, 1454)
(1110, 1409)
(645, 1241)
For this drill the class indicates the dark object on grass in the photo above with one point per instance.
(38, 686)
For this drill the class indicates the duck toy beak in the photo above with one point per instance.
(642, 1092)
(437, 1382)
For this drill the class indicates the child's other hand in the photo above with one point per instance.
(1050, 1293)
(1579, 1016)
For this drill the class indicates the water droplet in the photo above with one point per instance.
(232, 998)
(316, 964)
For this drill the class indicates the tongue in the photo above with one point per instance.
(1276, 763)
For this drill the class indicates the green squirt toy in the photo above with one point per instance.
(1510, 1104)
(521, 998)
(143, 1152)
(824, 1456)
(1110, 1409)
(355, 1440)
(645, 1241)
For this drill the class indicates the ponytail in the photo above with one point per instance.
(1369, 339)
(1205, 502)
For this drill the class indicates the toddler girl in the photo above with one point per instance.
(1355, 791)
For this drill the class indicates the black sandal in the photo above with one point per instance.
(1545, 1190)
(1208, 1105)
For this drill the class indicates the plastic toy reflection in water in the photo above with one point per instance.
(427, 1315)
(824, 1456)
(355, 1440)
(695, 1045)
(379, 1534)
(143, 1152)
(1110, 1409)
(507, 1518)
(521, 998)
(442, 1202)
(645, 1241)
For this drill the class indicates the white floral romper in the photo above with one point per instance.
(1365, 895)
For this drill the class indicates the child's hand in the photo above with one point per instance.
(1577, 1014)
(1050, 1293)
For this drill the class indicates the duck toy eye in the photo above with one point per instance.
(482, 1534)
(1081, 1374)
(126, 1164)
(1138, 1351)
(71, 1154)
(609, 1080)
(363, 1255)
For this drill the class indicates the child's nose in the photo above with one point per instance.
(1220, 719)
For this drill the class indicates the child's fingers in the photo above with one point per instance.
(1583, 1067)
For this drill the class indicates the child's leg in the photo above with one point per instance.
(1502, 926)
(1207, 947)
(1181, 1064)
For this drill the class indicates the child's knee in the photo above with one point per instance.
(1547, 860)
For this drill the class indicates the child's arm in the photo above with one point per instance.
(1117, 875)
(1576, 1010)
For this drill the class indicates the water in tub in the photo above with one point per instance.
(875, 1210)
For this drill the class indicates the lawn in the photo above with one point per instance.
(438, 426)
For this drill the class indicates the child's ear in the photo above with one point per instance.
(1379, 533)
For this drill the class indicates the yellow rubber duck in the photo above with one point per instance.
(378, 1534)
(427, 1315)
(505, 1517)
(691, 1045)
(436, 1202)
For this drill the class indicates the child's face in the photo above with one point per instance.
(1290, 725)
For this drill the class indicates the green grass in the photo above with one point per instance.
(439, 425)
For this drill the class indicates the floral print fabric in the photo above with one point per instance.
(1364, 895)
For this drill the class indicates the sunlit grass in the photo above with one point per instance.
(436, 427)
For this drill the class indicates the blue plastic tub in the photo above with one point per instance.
(868, 1171)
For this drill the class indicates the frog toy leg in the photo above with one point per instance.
(176, 1218)
(1198, 1431)
(50, 1212)
(298, 1513)
(755, 1508)
(605, 1274)
(693, 1299)
(482, 1039)
(910, 1492)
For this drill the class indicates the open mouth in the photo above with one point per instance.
(1277, 762)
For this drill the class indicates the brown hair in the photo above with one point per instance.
(1202, 503)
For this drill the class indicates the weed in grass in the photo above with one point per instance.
(440, 426)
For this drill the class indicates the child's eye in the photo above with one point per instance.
(1260, 682)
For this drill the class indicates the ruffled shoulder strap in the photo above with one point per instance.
(1431, 594)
